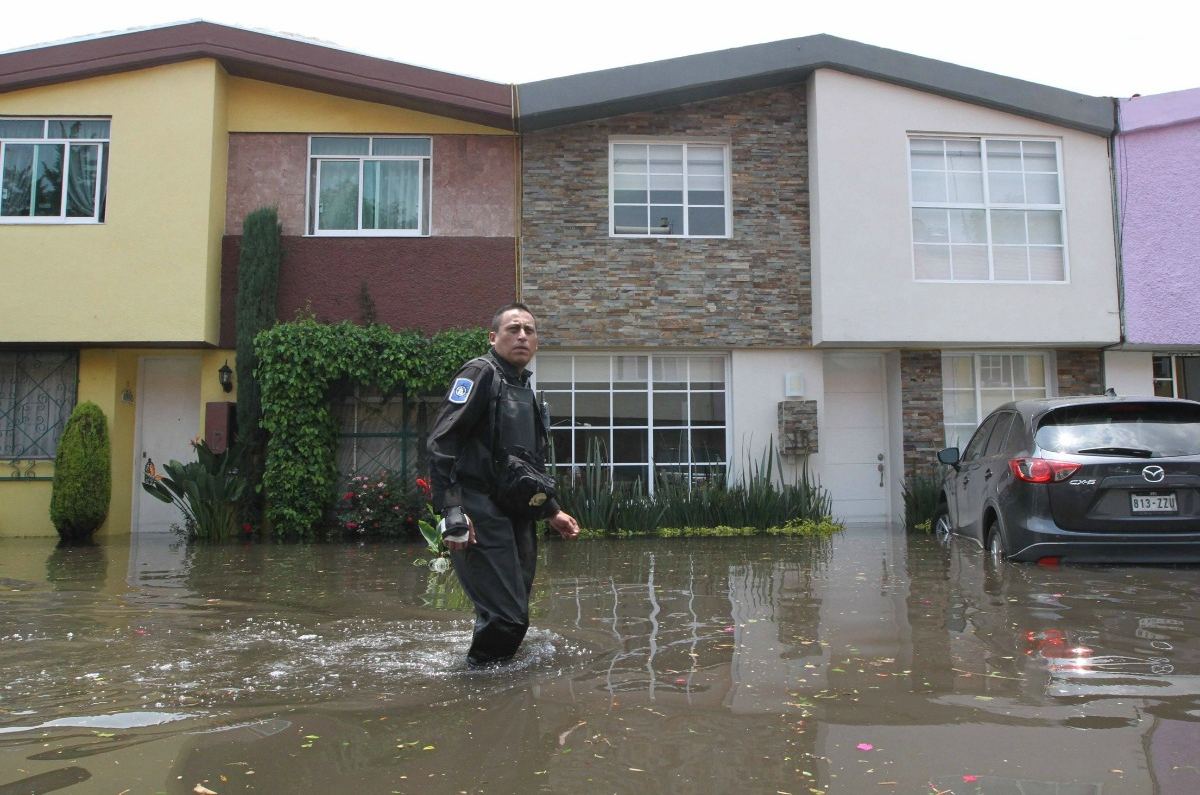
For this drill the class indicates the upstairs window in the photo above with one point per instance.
(369, 185)
(987, 210)
(668, 189)
(53, 170)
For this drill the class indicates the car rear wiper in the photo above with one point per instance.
(1136, 452)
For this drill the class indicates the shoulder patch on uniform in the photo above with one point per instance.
(461, 390)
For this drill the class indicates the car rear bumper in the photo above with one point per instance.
(1043, 538)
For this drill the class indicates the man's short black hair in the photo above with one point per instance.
(508, 308)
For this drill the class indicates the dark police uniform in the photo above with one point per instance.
(497, 571)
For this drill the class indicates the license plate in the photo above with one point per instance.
(1153, 502)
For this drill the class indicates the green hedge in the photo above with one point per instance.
(298, 363)
(82, 474)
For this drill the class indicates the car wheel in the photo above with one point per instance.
(996, 552)
(941, 525)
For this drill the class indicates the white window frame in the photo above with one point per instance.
(693, 468)
(1049, 365)
(987, 206)
(312, 182)
(684, 143)
(101, 169)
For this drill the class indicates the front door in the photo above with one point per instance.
(168, 408)
(853, 442)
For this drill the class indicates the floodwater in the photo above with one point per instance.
(868, 663)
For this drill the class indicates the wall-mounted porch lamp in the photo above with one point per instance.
(225, 376)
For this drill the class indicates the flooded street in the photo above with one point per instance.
(870, 662)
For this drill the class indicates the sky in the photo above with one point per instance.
(1100, 48)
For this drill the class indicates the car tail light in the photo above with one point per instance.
(1042, 470)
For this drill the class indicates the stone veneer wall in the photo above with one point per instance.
(1080, 373)
(753, 289)
(921, 405)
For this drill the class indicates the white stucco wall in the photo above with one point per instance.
(756, 387)
(864, 292)
(1129, 372)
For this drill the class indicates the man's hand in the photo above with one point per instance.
(564, 524)
(456, 545)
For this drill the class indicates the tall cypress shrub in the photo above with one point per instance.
(82, 474)
(258, 286)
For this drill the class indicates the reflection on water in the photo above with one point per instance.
(871, 662)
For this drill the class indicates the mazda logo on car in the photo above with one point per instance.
(1153, 474)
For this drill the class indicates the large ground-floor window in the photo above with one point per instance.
(1177, 376)
(379, 436)
(975, 383)
(37, 395)
(645, 416)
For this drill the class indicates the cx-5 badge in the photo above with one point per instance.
(1153, 474)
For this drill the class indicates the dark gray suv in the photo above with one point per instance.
(1088, 479)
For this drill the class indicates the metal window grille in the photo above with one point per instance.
(37, 395)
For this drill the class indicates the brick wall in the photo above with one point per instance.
(921, 405)
(1080, 373)
(752, 289)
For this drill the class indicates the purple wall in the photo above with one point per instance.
(1158, 190)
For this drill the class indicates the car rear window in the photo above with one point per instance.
(1138, 430)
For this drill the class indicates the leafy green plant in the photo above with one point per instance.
(380, 504)
(434, 543)
(82, 485)
(299, 362)
(206, 491)
(921, 493)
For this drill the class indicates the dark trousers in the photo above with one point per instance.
(497, 573)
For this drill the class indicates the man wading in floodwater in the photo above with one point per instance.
(486, 452)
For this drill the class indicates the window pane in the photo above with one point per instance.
(561, 439)
(629, 158)
(931, 262)
(969, 262)
(630, 372)
(592, 408)
(670, 446)
(560, 407)
(410, 147)
(707, 372)
(390, 194)
(1162, 367)
(708, 445)
(927, 154)
(991, 399)
(666, 220)
(1004, 155)
(670, 372)
(1046, 264)
(1011, 263)
(340, 146)
(630, 408)
(963, 155)
(1045, 226)
(666, 188)
(1008, 226)
(593, 445)
(630, 220)
(338, 205)
(629, 189)
(708, 160)
(1006, 188)
(22, 128)
(929, 186)
(712, 198)
(18, 179)
(666, 159)
(930, 226)
(591, 372)
(670, 408)
(48, 180)
(81, 181)
(967, 226)
(706, 221)
(959, 407)
(1041, 188)
(553, 371)
(1040, 156)
(966, 188)
(958, 372)
(631, 447)
(628, 474)
(708, 408)
(78, 128)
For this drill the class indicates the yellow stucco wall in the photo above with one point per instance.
(255, 106)
(104, 376)
(149, 272)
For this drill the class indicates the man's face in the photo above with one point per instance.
(516, 342)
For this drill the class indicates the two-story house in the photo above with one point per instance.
(129, 162)
(1156, 163)
(852, 251)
